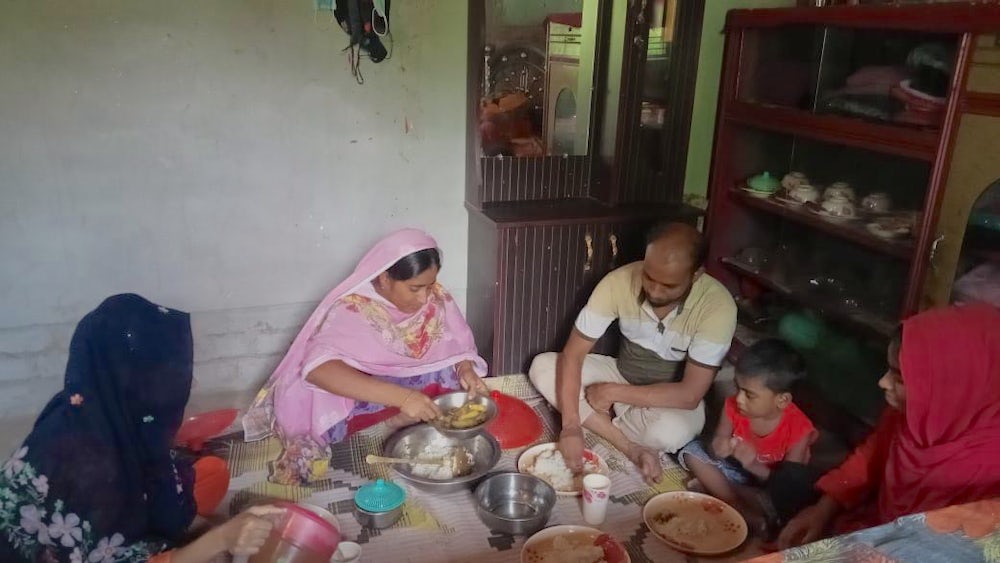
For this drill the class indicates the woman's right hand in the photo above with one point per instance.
(418, 406)
(808, 525)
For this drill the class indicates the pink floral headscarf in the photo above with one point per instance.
(369, 335)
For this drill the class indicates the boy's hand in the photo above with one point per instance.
(722, 447)
(743, 452)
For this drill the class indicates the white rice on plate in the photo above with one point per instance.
(438, 448)
(551, 468)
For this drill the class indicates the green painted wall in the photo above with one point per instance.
(706, 95)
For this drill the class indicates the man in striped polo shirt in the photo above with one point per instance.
(677, 323)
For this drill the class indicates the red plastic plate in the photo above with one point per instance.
(516, 424)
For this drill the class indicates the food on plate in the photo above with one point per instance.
(550, 466)
(576, 547)
(466, 416)
(460, 461)
(693, 524)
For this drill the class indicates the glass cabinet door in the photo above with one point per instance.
(581, 99)
(657, 94)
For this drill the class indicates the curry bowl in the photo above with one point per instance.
(449, 402)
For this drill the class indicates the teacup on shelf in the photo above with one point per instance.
(804, 193)
(793, 180)
(839, 208)
(877, 202)
(839, 190)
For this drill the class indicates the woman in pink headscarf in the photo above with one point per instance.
(378, 348)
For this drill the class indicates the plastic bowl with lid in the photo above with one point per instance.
(379, 504)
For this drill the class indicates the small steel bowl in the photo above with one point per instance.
(515, 503)
(410, 442)
(377, 520)
(454, 400)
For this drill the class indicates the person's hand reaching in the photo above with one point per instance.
(418, 406)
(246, 533)
(571, 448)
(808, 525)
(470, 381)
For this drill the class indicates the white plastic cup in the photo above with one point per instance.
(347, 552)
(596, 489)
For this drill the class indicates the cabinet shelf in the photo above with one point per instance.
(921, 144)
(869, 321)
(569, 211)
(852, 231)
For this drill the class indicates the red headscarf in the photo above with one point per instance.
(948, 449)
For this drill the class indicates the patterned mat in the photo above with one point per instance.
(445, 527)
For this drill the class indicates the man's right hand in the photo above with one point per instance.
(571, 447)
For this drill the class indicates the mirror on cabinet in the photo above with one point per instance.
(538, 77)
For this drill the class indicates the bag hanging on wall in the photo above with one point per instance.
(366, 21)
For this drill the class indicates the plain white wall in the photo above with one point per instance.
(217, 157)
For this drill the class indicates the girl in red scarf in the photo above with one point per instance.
(938, 444)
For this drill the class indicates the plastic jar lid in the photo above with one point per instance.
(380, 496)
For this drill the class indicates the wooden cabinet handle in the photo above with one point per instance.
(589, 241)
(934, 249)
(613, 239)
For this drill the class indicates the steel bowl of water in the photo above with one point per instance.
(515, 503)
(422, 441)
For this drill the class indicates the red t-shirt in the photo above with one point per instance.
(771, 449)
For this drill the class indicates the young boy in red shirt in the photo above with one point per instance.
(760, 432)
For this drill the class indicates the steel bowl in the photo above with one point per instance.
(450, 401)
(377, 520)
(410, 443)
(515, 503)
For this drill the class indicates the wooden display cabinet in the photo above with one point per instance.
(544, 228)
(820, 91)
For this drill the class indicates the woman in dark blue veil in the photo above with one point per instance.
(96, 479)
